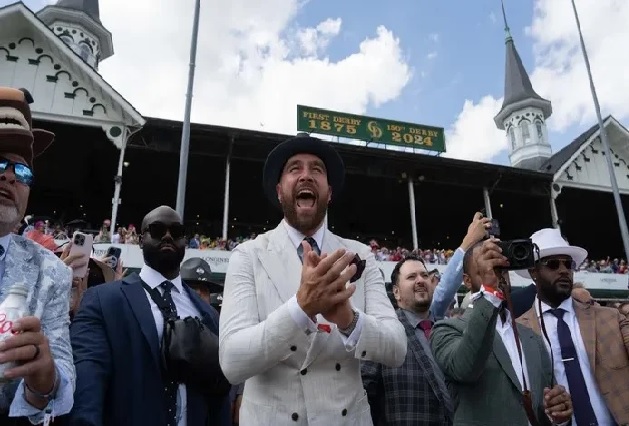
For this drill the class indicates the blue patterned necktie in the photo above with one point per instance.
(583, 411)
(171, 388)
(313, 244)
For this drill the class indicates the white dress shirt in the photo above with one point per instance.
(298, 315)
(185, 308)
(603, 415)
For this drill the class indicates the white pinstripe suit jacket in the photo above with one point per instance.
(293, 378)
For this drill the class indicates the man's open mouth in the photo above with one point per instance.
(306, 198)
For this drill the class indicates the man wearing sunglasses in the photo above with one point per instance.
(117, 337)
(43, 380)
(588, 344)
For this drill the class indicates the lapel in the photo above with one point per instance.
(502, 356)
(529, 319)
(418, 352)
(135, 295)
(17, 266)
(587, 325)
(531, 357)
(204, 309)
(330, 243)
(281, 262)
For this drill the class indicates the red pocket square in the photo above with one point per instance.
(324, 327)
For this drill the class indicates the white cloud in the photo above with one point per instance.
(559, 74)
(474, 136)
(431, 55)
(253, 64)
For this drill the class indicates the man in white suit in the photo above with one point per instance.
(296, 330)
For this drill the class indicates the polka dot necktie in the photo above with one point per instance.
(171, 387)
(313, 244)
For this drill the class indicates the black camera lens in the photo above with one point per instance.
(520, 252)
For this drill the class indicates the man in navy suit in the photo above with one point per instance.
(116, 337)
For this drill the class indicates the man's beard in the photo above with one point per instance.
(163, 261)
(556, 294)
(9, 218)
(303, 223)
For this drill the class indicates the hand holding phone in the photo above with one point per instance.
(81, 248)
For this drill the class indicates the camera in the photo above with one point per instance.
(79, 240)
(519, 253)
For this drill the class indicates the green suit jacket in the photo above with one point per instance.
(485, 388)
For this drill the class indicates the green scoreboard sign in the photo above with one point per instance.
(369, 129)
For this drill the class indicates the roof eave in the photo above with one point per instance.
(507, 110)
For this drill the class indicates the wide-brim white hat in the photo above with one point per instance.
(550, 243)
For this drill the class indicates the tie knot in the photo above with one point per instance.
(557, 312)
(425, 325)
(313, 244)
(167, 285)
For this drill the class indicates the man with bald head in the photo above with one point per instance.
(116, 337)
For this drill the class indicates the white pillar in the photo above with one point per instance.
(226, 194)
(553, 212)
(487, 203)
(118, 183)
(411, 202)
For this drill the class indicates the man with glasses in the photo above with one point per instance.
(116, 336)
(588, 344)
(41, 382)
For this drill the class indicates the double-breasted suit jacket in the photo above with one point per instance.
(292, 377)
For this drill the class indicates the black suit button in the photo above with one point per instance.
(338, 367)
(295, 417)
(304, 371)
(293, 348)
(344, 412)
(364, 354)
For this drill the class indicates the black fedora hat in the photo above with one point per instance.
(302, 144)
(197, 271)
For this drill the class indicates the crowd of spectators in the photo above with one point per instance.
(45, 233)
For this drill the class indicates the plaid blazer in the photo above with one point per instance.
(409, 394)
(605, 333)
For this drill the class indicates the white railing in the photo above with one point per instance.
(218, 260)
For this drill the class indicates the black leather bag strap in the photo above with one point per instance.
(159, 301)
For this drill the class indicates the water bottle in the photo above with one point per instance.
(11, 309)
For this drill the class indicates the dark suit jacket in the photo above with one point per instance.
(116, 355)
(523, 299)
(480, 370)
(408, 395)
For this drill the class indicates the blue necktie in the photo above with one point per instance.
(583, 411)
(300, 249)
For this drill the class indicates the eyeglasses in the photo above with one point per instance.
(159, 230)
(554, 264)
(23, 173)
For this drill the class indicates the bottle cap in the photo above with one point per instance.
(20, 289)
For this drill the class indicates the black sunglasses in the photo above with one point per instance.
(23, 173)
(554, 264)
(159, 230)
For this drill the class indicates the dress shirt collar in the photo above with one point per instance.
(415, 319)
(4, 242)
(153, 278)
(566, 305)
(297, 237)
